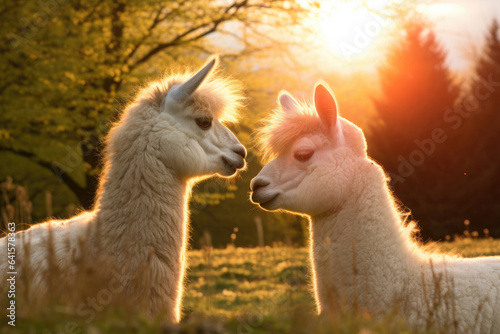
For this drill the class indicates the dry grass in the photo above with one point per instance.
(14, 204)
(261, 290)
(264, 290)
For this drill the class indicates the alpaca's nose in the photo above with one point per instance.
(241, 151)
(257, 183)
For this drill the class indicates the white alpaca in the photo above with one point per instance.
(171, 136)
(362, 256)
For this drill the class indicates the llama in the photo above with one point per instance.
(363, 256)
(170, 137)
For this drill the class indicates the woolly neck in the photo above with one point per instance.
(141, 225)
(363, 244)
(142, 204)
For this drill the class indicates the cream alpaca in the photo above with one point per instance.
(171, 136)
(362, 255)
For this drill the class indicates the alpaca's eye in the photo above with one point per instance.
(204, 122)
(303, 155)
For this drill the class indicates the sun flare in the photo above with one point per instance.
(350, 29)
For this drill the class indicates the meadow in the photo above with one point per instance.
(241, 290)
(421, 84)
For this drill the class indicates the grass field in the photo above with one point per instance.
(241, 291)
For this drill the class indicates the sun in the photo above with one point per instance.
(350, 29)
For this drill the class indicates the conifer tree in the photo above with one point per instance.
(409, 136)
(480, 139)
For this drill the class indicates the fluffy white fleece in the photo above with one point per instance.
(363, 255)
(154, 154)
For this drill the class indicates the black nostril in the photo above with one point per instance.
(240, 150)
(258, 183)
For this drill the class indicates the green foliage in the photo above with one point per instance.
(69, 66)
(235, 290)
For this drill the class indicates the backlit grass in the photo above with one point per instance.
(237, 290)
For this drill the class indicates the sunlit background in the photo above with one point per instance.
(344, 26)
(421, 78)
(396, 67)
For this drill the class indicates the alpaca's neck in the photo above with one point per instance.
(142, 208)
(361, 246)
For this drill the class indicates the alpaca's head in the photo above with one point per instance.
(315, 156)
(180, 123)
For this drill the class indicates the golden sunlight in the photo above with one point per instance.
(440, 9)
(349, 29)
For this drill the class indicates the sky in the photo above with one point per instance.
(357, 32)
(461, 26)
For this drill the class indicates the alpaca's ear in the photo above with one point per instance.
(288, 103)
(325, 104)
(185, 90)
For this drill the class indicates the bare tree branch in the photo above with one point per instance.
(157, 20)
(177, 40)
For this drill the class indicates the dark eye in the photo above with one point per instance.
(204, 122)
(303, 155)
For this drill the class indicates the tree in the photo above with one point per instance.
(409, 136)
(481, 136)
(67, 67)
